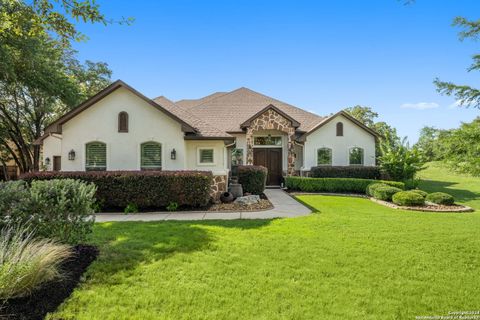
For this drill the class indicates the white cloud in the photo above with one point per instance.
(420, 105)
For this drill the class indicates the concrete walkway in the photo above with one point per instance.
(283, 206)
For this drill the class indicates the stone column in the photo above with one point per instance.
(249, 138)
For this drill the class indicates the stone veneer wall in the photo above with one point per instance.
(272, 120)
(218, 186)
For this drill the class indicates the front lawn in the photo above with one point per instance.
(354, 259)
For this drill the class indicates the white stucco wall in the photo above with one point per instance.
(353, 136)
(219, 156)
(52, 146)
(100, 123)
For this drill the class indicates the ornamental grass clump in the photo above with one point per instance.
(27, 262)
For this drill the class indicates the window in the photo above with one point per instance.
(356, 156)
(151, 156)
(206, 156)
(237, 157)
(324, 157)
(96, 156)
(123, 122)
(267, 141)
(339, 129)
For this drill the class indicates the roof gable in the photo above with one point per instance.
(247, 123)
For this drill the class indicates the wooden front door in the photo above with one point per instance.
(57, 163)
(270, 158)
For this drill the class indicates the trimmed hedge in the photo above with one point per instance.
(145, 189)
(340, 185)
(420, 192)
(345, 172)
(385, 193)
(408, 198)
(252, 178)
(441, 198)
(373, 186)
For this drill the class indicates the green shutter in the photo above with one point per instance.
(151, 155)
(206, 155)
(96, 158)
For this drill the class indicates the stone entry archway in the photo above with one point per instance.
(270, 119)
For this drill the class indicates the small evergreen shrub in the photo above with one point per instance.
(420, 192)
(408, 198)
(252, 179)
(14, 198)
(441, 198)
(131, 208)
(147, 189)
(345, 172)
(372, 186)
(385, 193)
(334, 185)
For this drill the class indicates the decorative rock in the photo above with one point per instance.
(248, 200)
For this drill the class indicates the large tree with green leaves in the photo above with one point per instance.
(466, 95)
(40, 77)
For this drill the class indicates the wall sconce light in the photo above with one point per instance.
(71, 155)
(47, 161)
(173, 154)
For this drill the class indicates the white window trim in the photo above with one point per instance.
(363, 158)
(331, 156)
(267, 146)
(84, 152)
(139, 152)
(199, 149)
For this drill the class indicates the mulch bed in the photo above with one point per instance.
(48, 297)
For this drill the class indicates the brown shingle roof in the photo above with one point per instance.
(204, 130)
(190, 103)
(228, 111)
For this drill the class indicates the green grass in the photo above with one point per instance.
(465, 189)
(354, 259)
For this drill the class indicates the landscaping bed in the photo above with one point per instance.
(264, 204)
(428, 207)
(50, 295)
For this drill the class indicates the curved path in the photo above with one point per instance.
(283, 206)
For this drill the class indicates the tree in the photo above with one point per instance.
(40, 78)
(428, 143)
(465, 95)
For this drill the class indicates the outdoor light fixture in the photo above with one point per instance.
(47, 161)
(71, 155)
(173, 154)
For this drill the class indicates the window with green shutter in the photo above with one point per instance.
(324, 157)
(96, 156)
(151, 156)
(206, 156)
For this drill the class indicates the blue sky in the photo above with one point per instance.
(322, 56)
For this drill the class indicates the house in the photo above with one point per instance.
(121, 129)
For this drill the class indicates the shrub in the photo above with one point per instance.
(172, 206)
(147, 189)
(252, 179)
(345, 172)
(372, 186)
(420, 192)
(441, 198)
(399, 161)
(131, 208)
(348, 185)
(408, 198)
(26, 262)
(61, 209)
(14, 197)
(385, 193)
